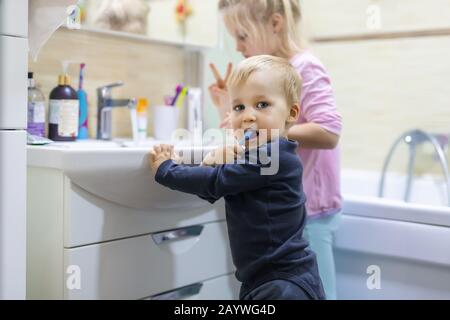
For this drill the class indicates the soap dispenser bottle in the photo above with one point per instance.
(63, 110)
(36, 109)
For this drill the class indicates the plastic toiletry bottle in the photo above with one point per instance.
(36, 109)
(141, 108)
(195, 126)
(194, 109)
(83, 116)
(63, 110)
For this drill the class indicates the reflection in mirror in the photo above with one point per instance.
(128, 16)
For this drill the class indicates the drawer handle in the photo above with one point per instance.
(172, 235)
(180, 293)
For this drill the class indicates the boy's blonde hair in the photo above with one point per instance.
(252, 17)
(284, 73)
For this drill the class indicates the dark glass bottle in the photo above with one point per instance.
(63, 111)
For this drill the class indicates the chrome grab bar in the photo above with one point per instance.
(414, 138)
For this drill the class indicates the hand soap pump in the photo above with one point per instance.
(63, 109)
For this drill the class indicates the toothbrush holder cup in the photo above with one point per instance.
(165, 122)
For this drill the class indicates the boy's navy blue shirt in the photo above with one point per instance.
(265, 215)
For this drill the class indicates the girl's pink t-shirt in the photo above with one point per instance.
(321, 168)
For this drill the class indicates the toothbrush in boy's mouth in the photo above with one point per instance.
(248, 135)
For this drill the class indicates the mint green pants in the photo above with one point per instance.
(319, 232)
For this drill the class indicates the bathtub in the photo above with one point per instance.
(388, 249)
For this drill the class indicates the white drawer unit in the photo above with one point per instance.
(14, 18)
(80, 246)
(136, 267)
(90, 219)
(13, 82)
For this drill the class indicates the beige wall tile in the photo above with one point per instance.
(327, 18)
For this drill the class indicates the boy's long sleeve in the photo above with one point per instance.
(210, 183)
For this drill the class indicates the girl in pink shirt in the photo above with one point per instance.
(272, 27)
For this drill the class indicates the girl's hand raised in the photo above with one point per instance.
(219, 91)
(221, 83)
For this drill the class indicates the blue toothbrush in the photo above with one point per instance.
(248, 135)
(83, 111)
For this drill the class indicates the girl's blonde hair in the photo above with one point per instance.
(252, 17)
(280, 69)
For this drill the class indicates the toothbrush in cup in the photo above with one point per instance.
(178, 90)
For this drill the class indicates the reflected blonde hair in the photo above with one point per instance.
(283, 73)
(252, 16)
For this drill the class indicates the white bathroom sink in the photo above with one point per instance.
(113, 172)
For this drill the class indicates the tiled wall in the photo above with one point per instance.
(385, 87)
(147, 70)
(388, 79)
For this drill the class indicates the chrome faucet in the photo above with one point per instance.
(105, 103)
(414, 138)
